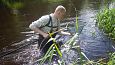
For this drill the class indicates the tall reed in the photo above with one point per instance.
(52, 51)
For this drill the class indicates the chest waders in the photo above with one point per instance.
(43, 45)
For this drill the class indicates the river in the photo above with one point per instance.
(14, 27)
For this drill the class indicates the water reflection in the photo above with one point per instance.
(10, 26)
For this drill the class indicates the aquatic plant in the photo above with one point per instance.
(49, 55)
(106, 22)
(52, 51)
(77, 24)
(112, 59)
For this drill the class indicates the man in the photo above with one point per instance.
(49, 23)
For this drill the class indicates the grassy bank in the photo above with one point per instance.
(106, 22)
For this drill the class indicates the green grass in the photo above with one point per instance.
(112, 59)
(106, 22)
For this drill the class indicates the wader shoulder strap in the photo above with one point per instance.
(48, 24)
(50, 21)
(51, 26)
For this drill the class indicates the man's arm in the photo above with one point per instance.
(35, 26)
(37, 30)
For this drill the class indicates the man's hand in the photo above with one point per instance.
(45, 35)
(37, 30)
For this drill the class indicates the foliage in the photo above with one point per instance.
(106, 21)
(53, 1)
(51, 51)
(112, 59)
(13, 4)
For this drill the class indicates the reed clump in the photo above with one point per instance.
(106, 22)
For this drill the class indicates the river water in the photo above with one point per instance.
(14, 29)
